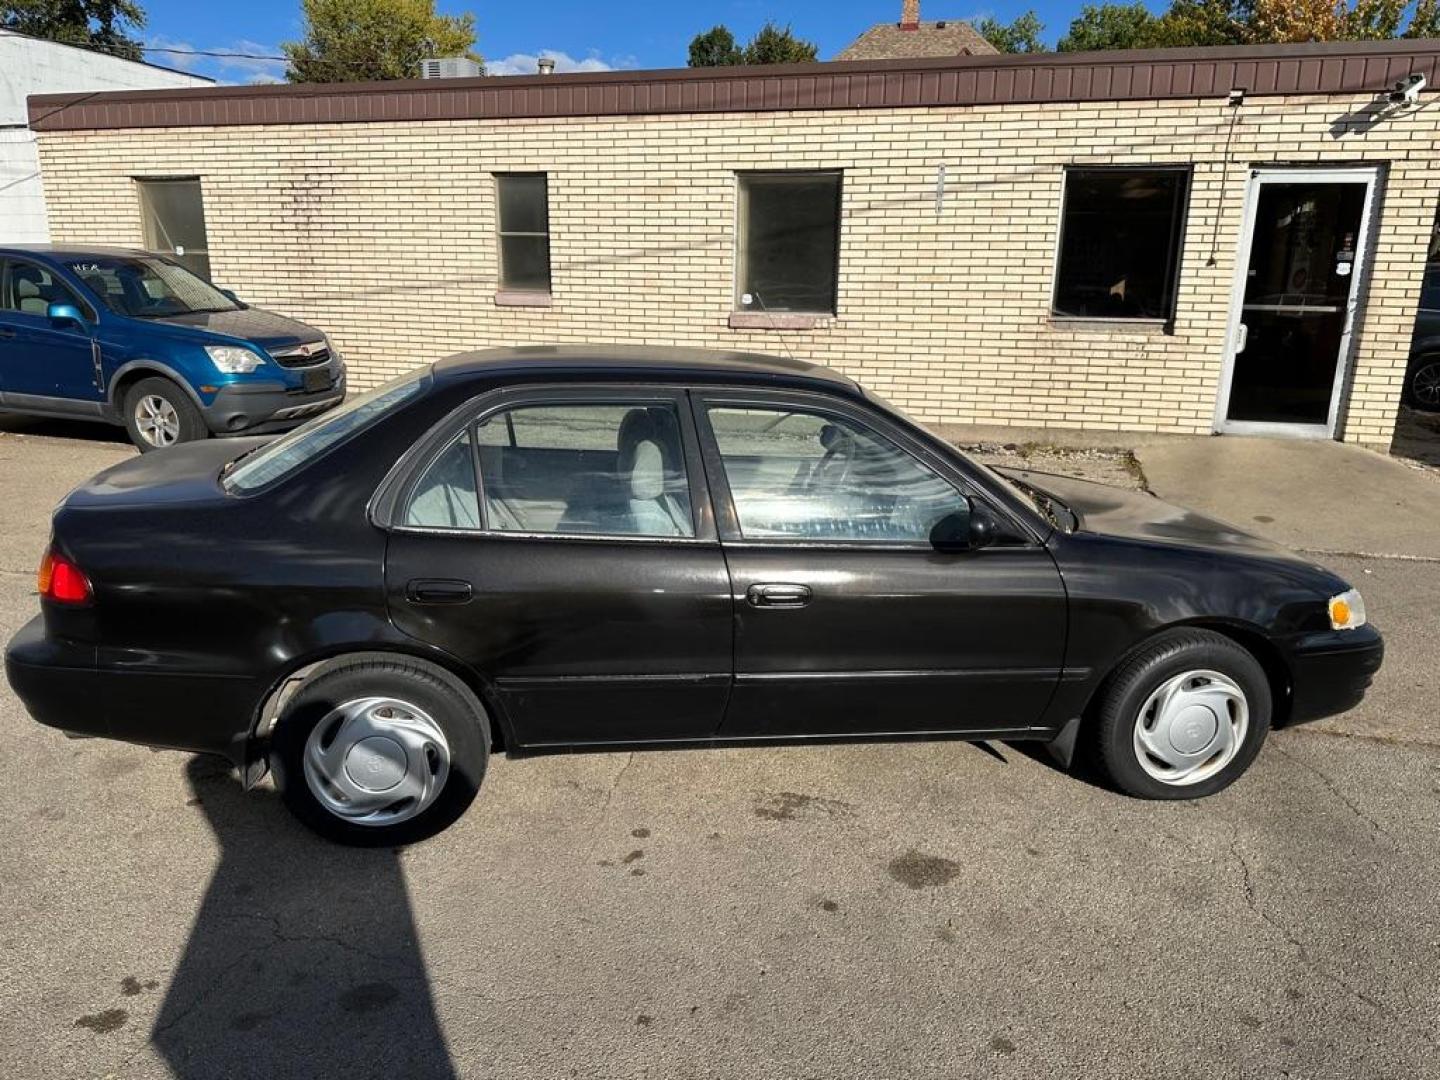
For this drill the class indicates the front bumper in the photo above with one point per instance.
(63, 687)
(259, 408)
(1331, 671)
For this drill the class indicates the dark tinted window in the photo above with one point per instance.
(790, 241)
(1120, 243)
(524, 214)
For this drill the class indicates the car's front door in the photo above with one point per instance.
(849, 621)
(585, 582)
(45, 364)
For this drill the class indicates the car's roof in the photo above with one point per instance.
(639, 361)
(68, 251)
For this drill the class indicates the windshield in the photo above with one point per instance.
(149, 287)
(280, 458)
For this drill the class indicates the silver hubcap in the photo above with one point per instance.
(376, 761)
(1427, 385)
(157, 420)
(1191, 727)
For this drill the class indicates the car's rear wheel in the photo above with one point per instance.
(1422, 389)
(1182, 717)
(159, 414)
(380, 751)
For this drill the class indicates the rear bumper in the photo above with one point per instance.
(62, 687)
(1332, 670)
(259, 408)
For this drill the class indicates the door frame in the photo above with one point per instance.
(1260, 176)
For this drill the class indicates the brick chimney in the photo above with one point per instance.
(910, 15)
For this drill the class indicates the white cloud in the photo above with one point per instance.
(241, 60)
(525, 63)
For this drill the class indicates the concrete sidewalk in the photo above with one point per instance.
(1316, 496)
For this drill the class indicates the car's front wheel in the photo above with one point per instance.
(159, 414)
(380, 751)
(1422, 389)
(1182, 717)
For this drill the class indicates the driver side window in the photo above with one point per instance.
(802, 475)
(30, 289)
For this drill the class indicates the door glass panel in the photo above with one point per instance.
(1303, 262)
(599, 470)
(30, 289)
(802, 475)
(174, 216)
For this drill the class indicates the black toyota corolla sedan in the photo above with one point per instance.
(550, 548)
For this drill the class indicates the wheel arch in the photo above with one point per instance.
(302, 669)
(132, 371)
(1248, 636)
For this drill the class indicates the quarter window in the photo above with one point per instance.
(524, 217)
(1120, 240)
(173, 213)
(598, 470)
(802, 475)
(789, 241)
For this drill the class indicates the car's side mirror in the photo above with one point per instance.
(963, 530)
(229, 294)
(63, 313)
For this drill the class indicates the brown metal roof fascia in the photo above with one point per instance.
(1149, 74)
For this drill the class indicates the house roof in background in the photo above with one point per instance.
(891, 41)
(1351, 67)
(6, 31)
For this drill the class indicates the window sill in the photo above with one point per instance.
(1112, 326)
(521, 298)
(778, 320)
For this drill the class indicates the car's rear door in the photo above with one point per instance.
(848, 620)
(586, 581)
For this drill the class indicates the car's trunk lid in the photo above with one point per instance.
(189, 472)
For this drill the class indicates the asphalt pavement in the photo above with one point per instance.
(879, 911)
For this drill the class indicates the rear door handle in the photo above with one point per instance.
(778, 595)
(438, 591)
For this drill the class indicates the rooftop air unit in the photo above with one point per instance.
(450, 67)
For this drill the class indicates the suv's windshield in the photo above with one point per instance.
(149, 287)
(270, 462)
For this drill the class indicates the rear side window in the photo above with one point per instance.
(289, 452)
(564, 469)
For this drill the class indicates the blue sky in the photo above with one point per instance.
(582, 33)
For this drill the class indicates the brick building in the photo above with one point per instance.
(1077, 240)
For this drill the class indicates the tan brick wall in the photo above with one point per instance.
(384, 235)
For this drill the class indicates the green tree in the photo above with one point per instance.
(363, 40)
(1425, 22)
(715, 48)
(1020, 36)
(773, 45)
(1203, 22)
(104, 25)
(1110, 26)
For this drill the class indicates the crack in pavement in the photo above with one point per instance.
(1247, 887)
(1393, 556)
(1335, 790)
(605, 806)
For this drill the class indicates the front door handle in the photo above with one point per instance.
(778, 595)
(438, 591)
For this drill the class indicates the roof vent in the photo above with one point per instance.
(545, 65)
(450, 67)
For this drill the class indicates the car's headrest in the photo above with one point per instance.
(647, 471)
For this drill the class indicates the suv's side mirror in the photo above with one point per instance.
(229, 294)
(963, 530)
(62, 313)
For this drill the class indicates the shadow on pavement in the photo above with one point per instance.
(303, 960)
(81, 430)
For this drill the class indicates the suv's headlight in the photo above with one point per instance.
(1347, 611)
(330, 345)
(233, 360)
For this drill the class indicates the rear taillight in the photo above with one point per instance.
(61, 580)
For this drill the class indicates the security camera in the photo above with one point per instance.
(1407, 90)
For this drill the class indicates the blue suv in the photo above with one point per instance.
(134, 338)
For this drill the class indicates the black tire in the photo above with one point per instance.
(189, 424)
(1429, 367)
(1145, 670)
(444, 698)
